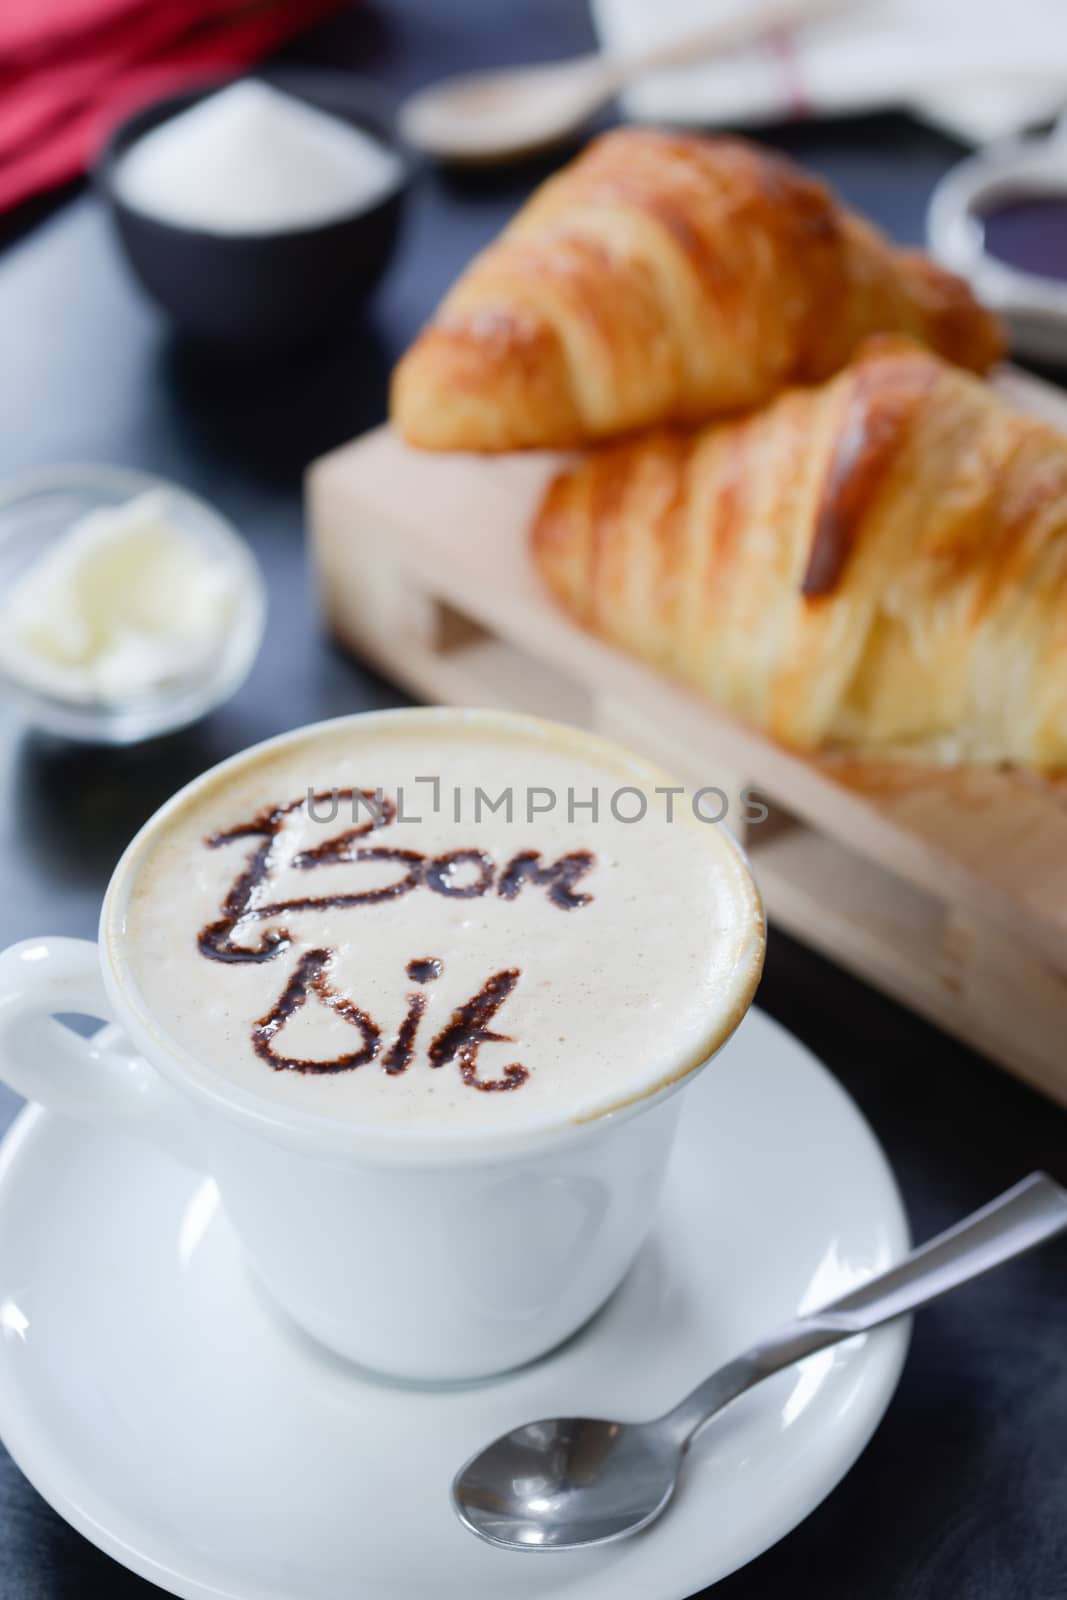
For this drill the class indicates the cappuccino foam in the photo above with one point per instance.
(359, 922)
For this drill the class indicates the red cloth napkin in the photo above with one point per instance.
(69, 69)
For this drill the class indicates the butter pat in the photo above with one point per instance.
(124, 604)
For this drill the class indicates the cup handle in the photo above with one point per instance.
(99, 1080)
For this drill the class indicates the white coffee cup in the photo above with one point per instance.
(428, 1255)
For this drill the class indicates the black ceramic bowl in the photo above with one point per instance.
(263, 289)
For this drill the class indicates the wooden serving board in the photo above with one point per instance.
(947, 889)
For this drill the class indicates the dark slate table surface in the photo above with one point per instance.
(963, 1493)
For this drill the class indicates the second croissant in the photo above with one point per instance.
(877, 565)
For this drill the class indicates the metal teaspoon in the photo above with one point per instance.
(511, 112)
(570, 1482)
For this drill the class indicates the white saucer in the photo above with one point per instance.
(159, 1405)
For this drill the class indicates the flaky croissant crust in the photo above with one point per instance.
(666, 278)
(877, 565)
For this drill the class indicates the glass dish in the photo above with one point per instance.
(36, 511)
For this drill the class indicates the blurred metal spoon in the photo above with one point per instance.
(511, 112)
(571, 1482)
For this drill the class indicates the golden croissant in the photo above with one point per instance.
(661, 278)
(877, 565)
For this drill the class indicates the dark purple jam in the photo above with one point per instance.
(1029, 232)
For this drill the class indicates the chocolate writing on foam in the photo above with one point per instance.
(309, 979)
(463, 874)
(461, 1039)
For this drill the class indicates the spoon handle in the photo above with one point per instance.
(1027, 1215)
(717, 37)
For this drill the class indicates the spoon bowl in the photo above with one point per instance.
(568, 1482)
(486, 117)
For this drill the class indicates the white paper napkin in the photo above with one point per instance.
(872, 54)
